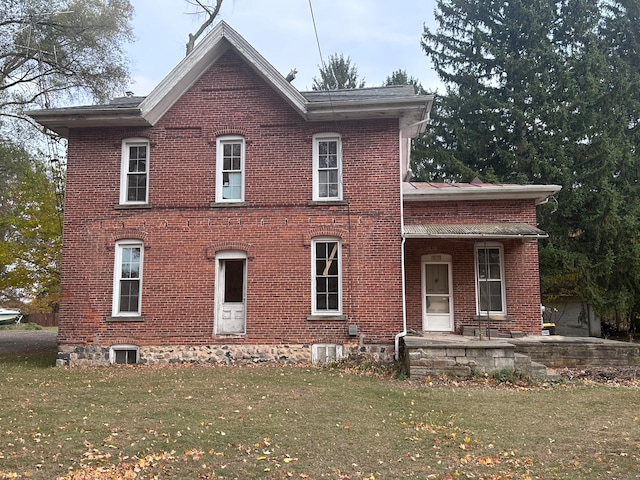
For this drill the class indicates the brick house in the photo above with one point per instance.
(229, 216)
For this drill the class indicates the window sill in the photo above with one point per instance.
(493, 317)
(229, 204)
(331, 203)
(131, 206)
(328, 317)
(115, 319)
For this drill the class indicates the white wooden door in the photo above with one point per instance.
(231, 294)
(437, 301)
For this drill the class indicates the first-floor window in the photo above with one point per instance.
(326, 276)
(490, 279)
(127, 289)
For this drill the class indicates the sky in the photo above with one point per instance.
(379, 36)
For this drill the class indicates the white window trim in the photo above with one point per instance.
(116, 277)
(321, 353)
(124, 170)
(114, 348)
(314, 309)
(316, 166)
(499, 246)
(219, 164)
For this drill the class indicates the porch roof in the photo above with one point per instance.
(473, 230)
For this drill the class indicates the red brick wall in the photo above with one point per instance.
(181, 229)
(520, 259)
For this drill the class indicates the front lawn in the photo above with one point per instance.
(196, 422)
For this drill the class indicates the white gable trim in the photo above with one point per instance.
(217, 42)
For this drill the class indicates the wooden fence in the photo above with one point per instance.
(43, 319)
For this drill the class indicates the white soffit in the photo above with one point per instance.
(433, 192)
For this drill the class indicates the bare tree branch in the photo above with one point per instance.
(212, 12)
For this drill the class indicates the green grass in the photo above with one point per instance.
(196, 422)
(26, 327)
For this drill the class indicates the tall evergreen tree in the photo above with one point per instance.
(545, 91)
(401, 77)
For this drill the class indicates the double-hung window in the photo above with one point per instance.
(127, 282)
(134, 177)
(230, 169)
(490, 289)
(326, 266)
(327, 167)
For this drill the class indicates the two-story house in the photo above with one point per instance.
(228, 216)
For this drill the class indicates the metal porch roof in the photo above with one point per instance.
(473, 230)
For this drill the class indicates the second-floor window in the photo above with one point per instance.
(327, 167)
(230, 169)
(134, 181)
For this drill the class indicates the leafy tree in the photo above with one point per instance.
(546, 91)
(58, 49)
(337, 73)
(31, 232)
(51, 52)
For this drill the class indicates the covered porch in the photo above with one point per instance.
(478, 279)
(471, 257)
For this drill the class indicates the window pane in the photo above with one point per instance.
(232, 188)
(136, 187)
(233, 281)
(125, 357)
(494, 271)
(129, 295)
(332, 267)
(321, 302)
(332, 301)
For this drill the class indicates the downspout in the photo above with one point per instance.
(403, 333)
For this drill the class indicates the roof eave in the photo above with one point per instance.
(417, 107)
(61, 120)
(539, 193)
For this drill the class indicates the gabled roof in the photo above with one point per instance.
(433, 192)
(381, 102)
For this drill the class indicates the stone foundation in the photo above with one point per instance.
(212, 354)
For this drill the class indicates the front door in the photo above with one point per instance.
(437, 302)
(231, 295)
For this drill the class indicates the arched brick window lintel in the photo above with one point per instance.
(245, 247)
(326, 231)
